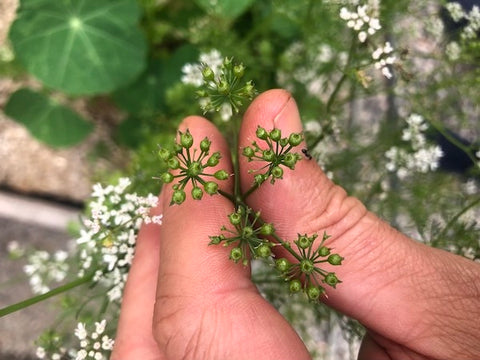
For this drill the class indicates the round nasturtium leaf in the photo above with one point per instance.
(80, 46)
(227, 8)
(50, 122)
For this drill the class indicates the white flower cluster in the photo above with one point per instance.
(192, 73)
(383, 59)
(363, 21)
(42, 353)
(422, 157)
(108, 241)
(93, 346)
(44, 268)
(457, 13)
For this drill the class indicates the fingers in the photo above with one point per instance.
(134, 338)
(306, 201)
(207, 307)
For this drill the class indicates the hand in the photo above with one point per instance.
(416, 302)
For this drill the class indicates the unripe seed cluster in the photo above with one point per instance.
(277, 155)
(186, 165)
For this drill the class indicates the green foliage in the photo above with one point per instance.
(50, 122)
(225, 8)
(80, 47)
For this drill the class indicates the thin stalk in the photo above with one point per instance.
(457, 216)
(59, 290)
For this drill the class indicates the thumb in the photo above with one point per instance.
(207, 307)
(306, 201)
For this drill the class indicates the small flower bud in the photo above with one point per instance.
(173, 163)
(221, 175)
(283, 142)
(267, 229)
(335, 259)
(205, 145)
(178, 197)
(264, 251)
(314, 292)
(197, 193)
(303, 242)
(211, 187)
(239, 70)
(277, 172)
(195, 168)
(235, 218)
(223, 87)
(248, 152)
(290, 160)
(282, 265)
(295, 139)
(307, 266)
(178, 148)
(236, 254)
(215, 240)
(275, 134)
(331, 279)
(186, 139)
(260, 178)
(268, 155)
(324, 251)
(164, 154)
(261, 133)
(295, 286)
(247, 231)
(166, 178)
(214, 159)
(208, 74)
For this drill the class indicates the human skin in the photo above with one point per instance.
(187, 300)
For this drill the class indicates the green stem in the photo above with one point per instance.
(61, 289)
(457, 216)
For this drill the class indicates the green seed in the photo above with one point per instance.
(313, 292)
(236, 254)
(173, 163)
(324, 251)
(267, 229)
(295, 286)
(275, 134)
(197, 193)
(282, 265)
(331, 279)
(208, 74)
(248, 152)
(205, 145)
(164, 154)
(335, 259)
(307, 266)
(268, 155)
(214, 159)
(263, 251)
(221, 175)
(186, 139)
(261, 133)
(178, 197)
(295, 139)
(195, 168)
(211, 187)
(303, 242)
(235, 218)
(166, 178)
(277, 172)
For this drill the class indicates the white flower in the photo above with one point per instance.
(40, 352)
(80, 331)
(226, 111)
(455, 10)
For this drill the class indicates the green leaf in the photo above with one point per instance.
(54, 124)
(80, 46)
(146, 96)
(227, 8)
